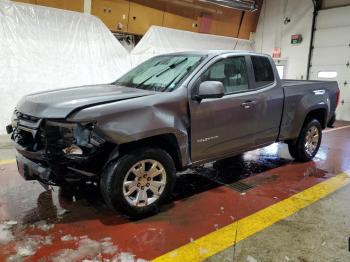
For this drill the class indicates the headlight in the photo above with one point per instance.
(78, 137)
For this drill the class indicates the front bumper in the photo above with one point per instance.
(31, 170)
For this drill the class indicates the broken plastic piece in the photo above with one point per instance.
(73, 150)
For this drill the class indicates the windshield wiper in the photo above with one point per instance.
(158, 74)
(172, 66)
(178, 76)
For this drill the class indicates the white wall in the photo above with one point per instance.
(334, 3)
(272, 32)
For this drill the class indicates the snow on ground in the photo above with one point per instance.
(6, 235)
(29, 246)
(43, 225)
(89, 250)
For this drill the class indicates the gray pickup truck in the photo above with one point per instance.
(171, 112)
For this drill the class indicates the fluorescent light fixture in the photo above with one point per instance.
(327, 74)
(246, 5)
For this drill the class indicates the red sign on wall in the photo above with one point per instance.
(276, 52)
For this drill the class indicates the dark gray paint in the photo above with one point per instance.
(204, 130)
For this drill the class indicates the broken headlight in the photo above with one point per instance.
(76, 138)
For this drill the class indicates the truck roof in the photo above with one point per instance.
(216, 52)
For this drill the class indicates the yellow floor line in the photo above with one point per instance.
(7, 161)
(223, 238)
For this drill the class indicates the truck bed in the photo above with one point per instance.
(290, 82)
(303, 95)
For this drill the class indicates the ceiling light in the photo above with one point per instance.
(246, 5)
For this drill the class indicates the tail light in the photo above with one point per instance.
(338, 97)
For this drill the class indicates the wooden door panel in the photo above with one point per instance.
(143, 14)
(76, 5)
(114, 13)
(179, 17)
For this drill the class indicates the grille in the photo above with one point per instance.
(26, 117)
(240, 186)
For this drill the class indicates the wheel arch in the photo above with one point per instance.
(319, 114)
(167, 142)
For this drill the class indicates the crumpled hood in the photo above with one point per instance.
(61, 102)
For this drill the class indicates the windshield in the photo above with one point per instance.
(161, 73)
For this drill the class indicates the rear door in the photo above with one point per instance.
(269, 98)
(225, 125)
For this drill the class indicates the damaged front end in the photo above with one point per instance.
(55, 152)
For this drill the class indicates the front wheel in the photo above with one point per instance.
(138, 182)
(306, 146)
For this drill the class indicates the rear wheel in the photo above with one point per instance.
(306, 146)
(137, 183)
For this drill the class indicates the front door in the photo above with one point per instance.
(223, 126)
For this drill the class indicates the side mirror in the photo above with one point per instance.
(210, 89)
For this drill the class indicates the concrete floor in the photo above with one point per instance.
(60, 226)
(6, 148)
(319, 232)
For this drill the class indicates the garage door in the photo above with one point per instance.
(331, 55)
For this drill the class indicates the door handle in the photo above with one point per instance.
(248, 104)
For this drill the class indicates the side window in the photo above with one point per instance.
(262, 70)
(231, 72)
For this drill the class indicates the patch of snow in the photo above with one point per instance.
(47, 241)
(11, 222)
(14, 258)
(62, 212)
(43, 225)
(106, 239)
(28, 246)
(6, 235)
(124, 257)
(109, 248)
(68, 237)
(87, 248)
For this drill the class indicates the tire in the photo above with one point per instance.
(298, 149)
(142, 201)
(292, 149)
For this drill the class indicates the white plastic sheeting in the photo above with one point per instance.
(45, 48)
(161, 40)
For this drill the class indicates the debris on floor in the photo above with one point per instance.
(5, 234)
(43, 225)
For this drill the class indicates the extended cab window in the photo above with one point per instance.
(262, 70)
(231, 72)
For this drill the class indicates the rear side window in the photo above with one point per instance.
(262, 70)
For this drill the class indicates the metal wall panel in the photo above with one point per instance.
(332, 52)
(338, 36)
